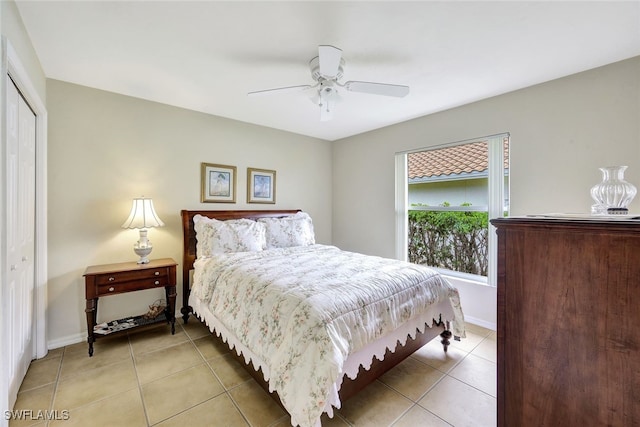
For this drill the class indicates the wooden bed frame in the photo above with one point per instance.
(349, 387)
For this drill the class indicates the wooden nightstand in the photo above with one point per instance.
(111, 279)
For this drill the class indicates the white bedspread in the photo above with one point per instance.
(303, 310)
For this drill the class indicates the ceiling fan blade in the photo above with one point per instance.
(329, 58)
(377, 88)
(287, 89)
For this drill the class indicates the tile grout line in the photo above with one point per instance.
(445, 374)
(144, 405)
(225, 390)
(59, 380)
(65, 354)
(422, 408)
(135, 369)
(212, 334)
(55, 384)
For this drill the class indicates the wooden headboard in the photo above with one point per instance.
(189, 240)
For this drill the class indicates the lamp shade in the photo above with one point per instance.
(142, 215)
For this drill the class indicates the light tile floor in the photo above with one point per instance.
(153, 378)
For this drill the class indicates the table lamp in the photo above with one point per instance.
(142, 216)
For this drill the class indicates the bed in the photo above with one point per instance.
(311, 323)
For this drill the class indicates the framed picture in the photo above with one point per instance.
(261, 186)
(218, 183)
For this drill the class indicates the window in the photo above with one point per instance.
(446, 195)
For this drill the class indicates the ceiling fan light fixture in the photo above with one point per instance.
(326, 111)
(326, 70)
(327, 98)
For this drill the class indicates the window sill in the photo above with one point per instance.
(467, 277)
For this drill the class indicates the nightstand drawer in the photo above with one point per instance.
(132, 285)
(127, 276)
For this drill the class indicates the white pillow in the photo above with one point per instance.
(294, 230)
(236, 235)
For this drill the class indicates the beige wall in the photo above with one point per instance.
(561, 132)
(105, 149)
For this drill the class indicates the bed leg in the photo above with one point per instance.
(446, 335)
(185, 313)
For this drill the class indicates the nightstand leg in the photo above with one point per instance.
(91, 311)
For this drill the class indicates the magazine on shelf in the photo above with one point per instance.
(114, 326)
(107, 328)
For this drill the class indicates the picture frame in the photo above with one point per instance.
(218, 183)
(261, 185)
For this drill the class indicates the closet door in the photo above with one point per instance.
(20, 228)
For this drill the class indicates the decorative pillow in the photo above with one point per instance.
(236, 235)
(294, 230)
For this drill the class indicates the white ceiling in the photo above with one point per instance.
(206, 55)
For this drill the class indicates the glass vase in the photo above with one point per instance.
(613, 194)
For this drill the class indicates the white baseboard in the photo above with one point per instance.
(68, 340)
(80, 337)
(481, 322)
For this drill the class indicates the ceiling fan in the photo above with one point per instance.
(326, 69)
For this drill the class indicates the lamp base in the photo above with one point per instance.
(143, 247)
(143, 253)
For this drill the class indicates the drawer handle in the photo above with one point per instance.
(157, 282)
(111, 279)
(157, 273)
(111, 289)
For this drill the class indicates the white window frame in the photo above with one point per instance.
(496, 197)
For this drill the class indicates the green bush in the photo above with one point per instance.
(447, 239)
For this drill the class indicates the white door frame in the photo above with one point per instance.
(12, 66)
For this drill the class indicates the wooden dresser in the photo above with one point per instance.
(568, 322)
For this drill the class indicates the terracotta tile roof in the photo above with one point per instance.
(465, 158)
